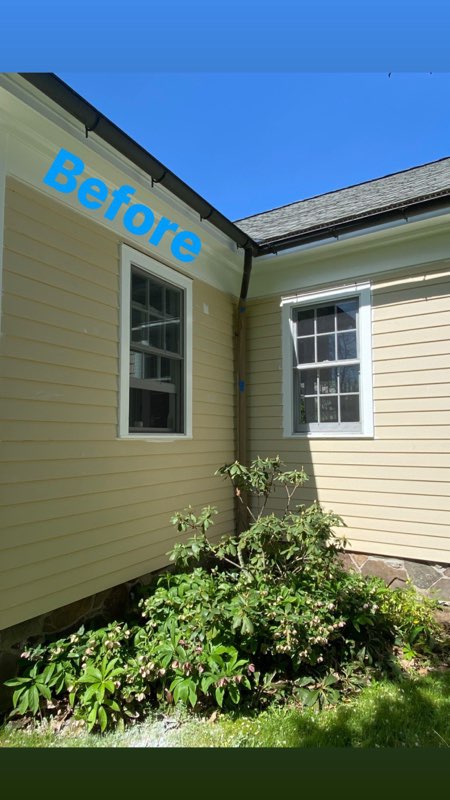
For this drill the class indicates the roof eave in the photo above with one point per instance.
(404, 212)
(94, 121)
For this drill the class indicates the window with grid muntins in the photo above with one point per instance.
(326, 366)
(156, 355)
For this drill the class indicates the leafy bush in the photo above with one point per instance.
(266, 615)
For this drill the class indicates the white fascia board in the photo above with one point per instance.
(390, 252)
(366, 231)
(38, 129)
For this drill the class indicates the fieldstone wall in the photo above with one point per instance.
(102, 607)
(430, 579)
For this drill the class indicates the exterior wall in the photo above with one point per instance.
(81, 509)
(393, 491)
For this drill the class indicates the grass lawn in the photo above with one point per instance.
(414, 711)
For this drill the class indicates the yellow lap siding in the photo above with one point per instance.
(83, 510)
(393, 491)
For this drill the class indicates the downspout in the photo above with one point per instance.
(241, 375)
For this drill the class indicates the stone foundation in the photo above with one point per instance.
(429, 579)
(99, 608)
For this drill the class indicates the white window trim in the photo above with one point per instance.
(130, 258)
(363, 290)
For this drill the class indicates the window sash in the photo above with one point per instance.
(155, 378)
(155, 387)
(297, 308)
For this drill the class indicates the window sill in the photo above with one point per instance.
(329, 435)
(155, 437)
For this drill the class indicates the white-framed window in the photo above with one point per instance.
(155, 349)
(327, 363)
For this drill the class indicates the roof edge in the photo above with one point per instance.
(405, 212)
(94, 121)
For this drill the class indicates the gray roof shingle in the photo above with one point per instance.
(352, 203)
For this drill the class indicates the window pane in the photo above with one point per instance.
(349, 379)
(173, 335)
(305, 349)
(325, 319)
(308, 410)
(328, 381)
(139, 327)
(139, 289)
(346, 314)
(308, 381)
(156, 327)
(170, 371)
(143, 366)
(151, 366)
(326, 350)
(305, 322)
(156, 381)
(347, 345)
(173, 298)
(156, 297)
(150, 409)
(328, 409)
(349, 408)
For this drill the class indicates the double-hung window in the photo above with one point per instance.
(327, 364)
(156, 348)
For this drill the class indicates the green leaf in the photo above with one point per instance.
(103, 719)
(17, 682)
(192, 694)
(247, 625)
(92, 716)
(44, 691)
(112, 705)
(34, 699)
(48, 672)
(234, 693)
(219, 693)
(91, 691)
(24, 703)
(18, 693)
(206, 683)
(237, 621)
(311, 698)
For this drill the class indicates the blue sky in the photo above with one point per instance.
(252, 141)
(254, 103)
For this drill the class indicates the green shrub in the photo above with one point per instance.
(265, 616)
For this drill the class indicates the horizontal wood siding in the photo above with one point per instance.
(82, 510)
(393, 491)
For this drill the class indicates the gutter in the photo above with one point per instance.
(94, 121)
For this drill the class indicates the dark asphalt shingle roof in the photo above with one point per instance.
(352, 203)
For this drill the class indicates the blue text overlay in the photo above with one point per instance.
(138, 218)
